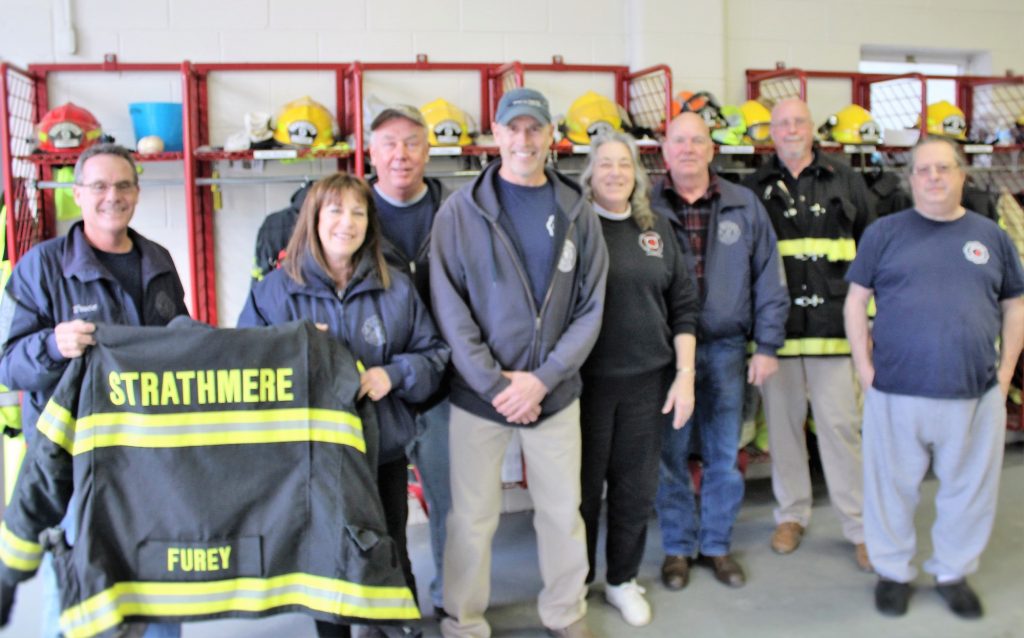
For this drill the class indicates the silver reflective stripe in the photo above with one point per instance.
(100, 429)
(18, 553)
(130, 600)
(55, 423)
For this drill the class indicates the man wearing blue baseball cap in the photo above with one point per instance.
(518, 265)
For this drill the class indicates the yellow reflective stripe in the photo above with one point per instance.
(832, 249)
(18, 553)
(57, 424)
(108, 608)
(814, 346)
(231, 427)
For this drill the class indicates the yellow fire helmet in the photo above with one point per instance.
(758, 119)
(591, 114)
(852, 125)
(946, 120)
(305, 122)
(447, 124)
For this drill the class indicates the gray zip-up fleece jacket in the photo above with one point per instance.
(485, 308)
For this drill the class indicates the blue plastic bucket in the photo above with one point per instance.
(162, 119)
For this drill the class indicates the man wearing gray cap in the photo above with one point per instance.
(407, 202)
(518, 265)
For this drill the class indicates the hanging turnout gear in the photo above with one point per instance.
(10, 403)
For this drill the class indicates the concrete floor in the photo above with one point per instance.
(816, 591)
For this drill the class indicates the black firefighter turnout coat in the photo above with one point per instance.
(215, 473)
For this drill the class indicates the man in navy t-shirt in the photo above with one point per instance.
(936, 369)
(406, 202)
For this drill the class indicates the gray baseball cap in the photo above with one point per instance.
(523, 101)
(404, 111)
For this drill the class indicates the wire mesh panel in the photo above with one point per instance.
(897, 103)
(650, 93)
(995, 108)
(781, 87)
(20, 193)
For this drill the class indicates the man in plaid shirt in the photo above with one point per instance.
(732, 251)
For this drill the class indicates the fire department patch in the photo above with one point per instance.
(728, 232)
(568, 259)
(651, 242)
(975, 252)
(165, 306)
(373, 331)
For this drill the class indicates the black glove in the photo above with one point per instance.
(6, 601)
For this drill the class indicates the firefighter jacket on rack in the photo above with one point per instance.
(274, 233)
(818, 219)
(218, 473)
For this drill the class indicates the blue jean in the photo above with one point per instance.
(716, 423)
(51, 593)
(429, 453)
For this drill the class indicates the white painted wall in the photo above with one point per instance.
(708, 44)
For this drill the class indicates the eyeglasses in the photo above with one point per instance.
(940, 169)
(99, 188)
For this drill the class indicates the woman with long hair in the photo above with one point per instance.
(334, 274)
(641, 368)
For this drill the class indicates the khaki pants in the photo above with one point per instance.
(552, 451)
(830, 385)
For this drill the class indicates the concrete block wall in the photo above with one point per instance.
(708, 44)
(829, 34)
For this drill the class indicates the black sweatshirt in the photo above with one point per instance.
(650, 298)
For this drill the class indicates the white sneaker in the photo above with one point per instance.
(629, 599)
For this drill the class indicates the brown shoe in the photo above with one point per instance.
(675, 572)
(727, 571)
(787, 537)
(863, 562)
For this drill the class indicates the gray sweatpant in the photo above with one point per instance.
(963, 440)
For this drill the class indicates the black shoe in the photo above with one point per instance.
(960, 598)
(439, 613)
(892, 597)
(675, 572)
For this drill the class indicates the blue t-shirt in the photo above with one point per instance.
(938, 288)
(530, 216)
(407, 227)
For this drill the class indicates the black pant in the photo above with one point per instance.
(325, 629)
(621, 422)
(392, 485)
(392, 482)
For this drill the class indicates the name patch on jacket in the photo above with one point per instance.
(200, 387)
(213, 560)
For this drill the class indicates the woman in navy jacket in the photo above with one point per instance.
(335, 275)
